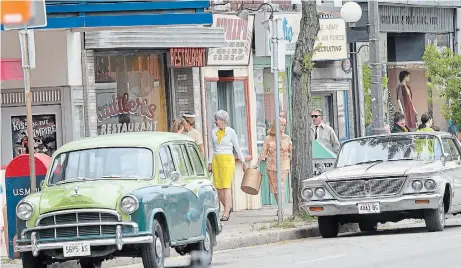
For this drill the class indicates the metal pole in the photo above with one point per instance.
(277, 115)
(204, 113)
(355, 90)
(377, 105)
(30, 126)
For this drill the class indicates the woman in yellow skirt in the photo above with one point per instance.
(221, 160)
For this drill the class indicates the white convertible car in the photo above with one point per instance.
(388, 178)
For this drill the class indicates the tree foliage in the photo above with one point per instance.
(366, 79)
(443, 70)
(302, 67)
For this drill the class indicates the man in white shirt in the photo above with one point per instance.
(323, 132)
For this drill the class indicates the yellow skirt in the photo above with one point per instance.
(223, 166)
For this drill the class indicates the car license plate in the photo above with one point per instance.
(368, 208)
(76, 249)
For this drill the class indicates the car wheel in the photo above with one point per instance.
(328, 226)
(435, 218)
(207, 245)
(152, 254)
(367, 226)
(88, 263)
(29, 261)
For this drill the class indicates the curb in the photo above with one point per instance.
(257, 239)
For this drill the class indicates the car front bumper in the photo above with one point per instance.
(36, 246)
(350, 207)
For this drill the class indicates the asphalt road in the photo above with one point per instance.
(409, 246)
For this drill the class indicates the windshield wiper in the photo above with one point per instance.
(365, 162)
(71, 180)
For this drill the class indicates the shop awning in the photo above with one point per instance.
(160, 37)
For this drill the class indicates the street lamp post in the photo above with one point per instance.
(351, 12)
(276, 37)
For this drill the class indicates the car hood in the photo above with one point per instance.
(390, 168)
(103, 194)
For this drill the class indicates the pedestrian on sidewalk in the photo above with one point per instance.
(323, 133)
(178, 126)
(268, 153)
(189, 126)
(426, 123)
(221, 160)
(399, 123)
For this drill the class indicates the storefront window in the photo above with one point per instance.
(130, 92)
(230, 96)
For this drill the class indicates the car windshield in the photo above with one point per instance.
(102, 163)
(390, 148)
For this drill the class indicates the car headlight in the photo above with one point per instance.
(24, 211)
(129, 204)
(320, 192)
(307, 193)
(417, 185)
(430, 184)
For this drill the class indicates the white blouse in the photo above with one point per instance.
(228, 143)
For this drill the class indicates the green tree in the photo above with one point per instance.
(443, 69)
(366, 79)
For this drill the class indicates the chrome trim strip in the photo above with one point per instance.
(75, 211)
(95, 242)
(132, 224)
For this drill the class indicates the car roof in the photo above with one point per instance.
(148, 139)
(440, 134)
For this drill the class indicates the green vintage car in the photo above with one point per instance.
(130, 194)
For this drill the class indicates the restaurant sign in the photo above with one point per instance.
(238, 34)
(187, 57)
(118, 115)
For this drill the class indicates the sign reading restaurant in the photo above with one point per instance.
(187, 57)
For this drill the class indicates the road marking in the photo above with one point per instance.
(323, 259)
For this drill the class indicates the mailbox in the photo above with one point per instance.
(17, 186)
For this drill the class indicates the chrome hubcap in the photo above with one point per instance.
(207, 242)
(158, 247)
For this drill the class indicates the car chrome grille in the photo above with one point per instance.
(94, 223)
(367, 187)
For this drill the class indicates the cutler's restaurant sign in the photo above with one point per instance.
(126, 113)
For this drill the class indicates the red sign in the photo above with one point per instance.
(124, 105)
(11, 69)
(187, 57)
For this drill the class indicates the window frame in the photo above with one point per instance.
(193, 146)
(184, 157)
(247, 104)
(160, 164)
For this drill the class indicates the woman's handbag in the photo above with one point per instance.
(251, 182)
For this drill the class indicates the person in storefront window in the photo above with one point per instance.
(221, 160)
(178, 126)
(405, 100)
(268, 153)
(189, 119)
(399, 123)
(324, 133)
(426, 123)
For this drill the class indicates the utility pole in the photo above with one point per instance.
(377, 105)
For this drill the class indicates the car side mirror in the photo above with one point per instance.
(445, 157)
(41, 184)
(174, 177)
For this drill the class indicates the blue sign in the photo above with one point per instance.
(287, 33)
(16, 189)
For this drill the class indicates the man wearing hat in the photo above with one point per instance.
(192, 132)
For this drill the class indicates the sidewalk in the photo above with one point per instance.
(244, 229)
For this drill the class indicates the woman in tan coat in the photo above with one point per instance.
(269, 154)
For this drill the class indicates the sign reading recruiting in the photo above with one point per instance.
(238, 33)
(331, 43)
